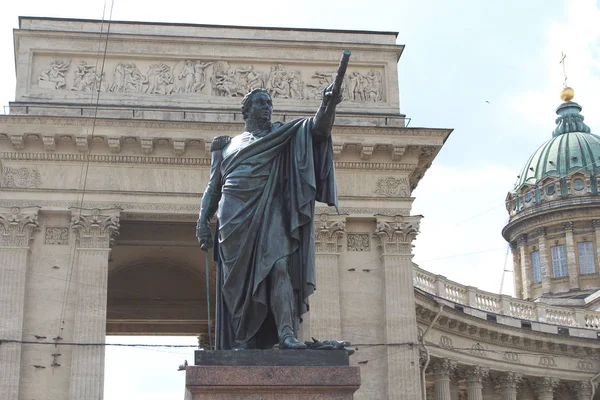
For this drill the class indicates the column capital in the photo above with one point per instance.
(396, 233)
(443, 366)
(509, 380)
(568, 226)
(96, 228)
(596, 223)
(328, 231)
(583, 389)
(541, 232)
(522, 240)
(545, 385)
(17, 226)
(476, 374)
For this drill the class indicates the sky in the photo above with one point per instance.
(487, 69)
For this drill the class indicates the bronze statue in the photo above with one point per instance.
(263, 186)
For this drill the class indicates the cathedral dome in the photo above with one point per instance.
(554, 208)
(560, 167)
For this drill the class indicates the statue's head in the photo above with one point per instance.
(257, 105)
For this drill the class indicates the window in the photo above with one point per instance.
(537, 268)
(586, 258)
(578, 184)
(550, 189)
(528, 196)
(559, 261)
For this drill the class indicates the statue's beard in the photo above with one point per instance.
(262, 124)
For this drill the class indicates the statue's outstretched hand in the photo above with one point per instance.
(329, 96)
(204, 235)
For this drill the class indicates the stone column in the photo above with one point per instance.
(16, 228)
(544, 262)
(95, 229)
(544, 388)
(508, 383)
(403, 371)
(526, 270)
(572, 269)
(475, 376)
(442, 369)
(517, 275)
(325, 313)
(582, 390)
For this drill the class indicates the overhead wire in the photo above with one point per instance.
(85, 166)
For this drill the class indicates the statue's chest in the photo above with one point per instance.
(238, 143)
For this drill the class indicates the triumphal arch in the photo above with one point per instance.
(106, 152)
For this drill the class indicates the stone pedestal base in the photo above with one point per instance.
(261, 382)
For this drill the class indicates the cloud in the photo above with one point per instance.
(464, 214)
(578, 36)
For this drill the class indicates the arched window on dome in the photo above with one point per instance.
(585, 251)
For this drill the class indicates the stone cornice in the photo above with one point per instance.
(506, 336)
(572, 210)
(21, 122)
(183, 161)
(233, 41)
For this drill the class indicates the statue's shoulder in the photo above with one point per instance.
(219, 142)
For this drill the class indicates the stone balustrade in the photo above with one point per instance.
(504, 305)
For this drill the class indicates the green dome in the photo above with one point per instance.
(572, 149)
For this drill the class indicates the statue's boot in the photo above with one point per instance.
(249, 345)
(282, 305)
(291, 343)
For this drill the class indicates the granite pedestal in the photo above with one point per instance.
(271, 374)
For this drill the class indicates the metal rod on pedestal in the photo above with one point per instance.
(210, 338)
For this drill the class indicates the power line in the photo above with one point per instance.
(86, 162)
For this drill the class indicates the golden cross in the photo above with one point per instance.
(562, 61)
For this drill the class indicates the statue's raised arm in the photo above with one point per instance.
(332, 96)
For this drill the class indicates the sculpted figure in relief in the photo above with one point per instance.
(200, 75)
(159, 79)
(374, 86)
(188, 76)
(53, 76)
(87, 79)
(127, 78)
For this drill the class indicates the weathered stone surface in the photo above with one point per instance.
(266, 383)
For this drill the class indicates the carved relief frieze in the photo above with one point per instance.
(210, 78)
(358, 242)
(88, 78)
(392, 187)
(20, 178)
(478, 350)
(54, 75)
(56, 235)
(547, 361)
(17, 226)
(585, 365)
(446, 342)
(511, 356)
(328, 231)
(95, 228)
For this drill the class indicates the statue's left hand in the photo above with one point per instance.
(329, 96)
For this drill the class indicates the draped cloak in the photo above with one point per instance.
(266, 212)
